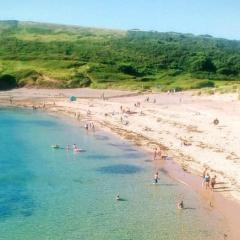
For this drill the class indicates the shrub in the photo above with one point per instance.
(203, 84)
(129, 69)
(78, 80)
(7, 82)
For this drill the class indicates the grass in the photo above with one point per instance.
(48, 55)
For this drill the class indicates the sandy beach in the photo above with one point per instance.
(182, 124)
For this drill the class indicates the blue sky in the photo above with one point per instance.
(219, 18)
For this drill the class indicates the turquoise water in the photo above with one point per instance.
(58, 195)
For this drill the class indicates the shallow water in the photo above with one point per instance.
(58, 195)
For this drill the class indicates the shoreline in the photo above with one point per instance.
(227, 204)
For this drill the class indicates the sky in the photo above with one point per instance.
(220, 18)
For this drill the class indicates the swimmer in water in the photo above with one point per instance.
(180, 205)
(118, 197)
(68, 147)
(156, 178)
(74, 146)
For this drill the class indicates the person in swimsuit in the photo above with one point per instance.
(156, 178)
(159, 152)
(180, 205)
(68, 147)
(118, 197)
(203, 176)
(207, 181)
(213, 182)
(155, 154)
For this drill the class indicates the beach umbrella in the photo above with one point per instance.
(73, 98)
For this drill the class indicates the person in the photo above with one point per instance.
(11, 99)
(68, 147)
(118, 197)
(74, 146)
(204, 172)
(55, 146)
(159, 152)
(203, 176)
(213, 182)
(180, 205)
(86, 126)
(155, 154)
(207, 180)
(156, 178)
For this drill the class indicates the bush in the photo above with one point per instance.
(129, 69)
(7, 82)
(203, 84)
(79, 80)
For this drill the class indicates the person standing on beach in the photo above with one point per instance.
(203, 176)
(156, 178)
(207, 181)
(213, 182)
(159, 153)
(155, 154)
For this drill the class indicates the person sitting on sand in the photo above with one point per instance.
(156, 178)
(213, 182)
(180, 205)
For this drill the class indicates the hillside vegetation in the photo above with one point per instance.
(48, 55)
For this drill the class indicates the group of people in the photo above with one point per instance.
(208, 182)
(147, 99)
(137, 104)
(171, 91)
(74, 147)
(89, 125)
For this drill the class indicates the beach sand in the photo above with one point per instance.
(180, 123)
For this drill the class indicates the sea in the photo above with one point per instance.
(57, 194)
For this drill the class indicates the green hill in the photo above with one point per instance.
(49, 55)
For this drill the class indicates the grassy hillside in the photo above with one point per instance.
(48, 55)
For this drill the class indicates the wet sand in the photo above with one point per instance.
(182, 124)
